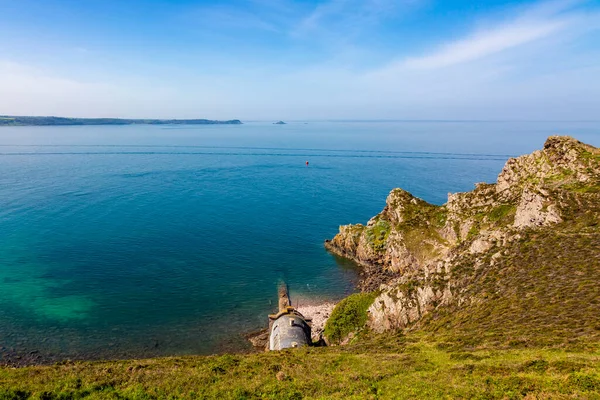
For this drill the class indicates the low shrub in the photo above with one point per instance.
(350, 315)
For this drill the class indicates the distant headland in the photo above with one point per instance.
(9, 120)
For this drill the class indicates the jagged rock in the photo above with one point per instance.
(417, 250)
(479, 245)
(535, 210)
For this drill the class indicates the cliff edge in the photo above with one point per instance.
(505, 259)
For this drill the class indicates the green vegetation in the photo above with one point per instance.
(561, 179)
(486, 218)
(6, 120)
(580, 187)
(440, 216)
(592, 156)
(542, 293)
(423, 243)
(377, 234)
(473, 231)
(379, 367)
(350, 315)
(420, 225)
(502, 212)
(417, 212)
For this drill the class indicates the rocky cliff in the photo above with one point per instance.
(426, 260)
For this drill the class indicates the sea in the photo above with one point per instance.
(140, 240)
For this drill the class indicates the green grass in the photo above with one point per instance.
(389, 366)
(350, 315)
(543, 292)
(502, 213)
(591, 156)
(579, 187)
(377, 234)
(424, 244)
(473, 231)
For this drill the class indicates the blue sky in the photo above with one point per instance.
(285, 59)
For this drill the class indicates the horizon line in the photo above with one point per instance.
(312, 120)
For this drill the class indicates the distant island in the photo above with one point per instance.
(9, 120)
(279, 123)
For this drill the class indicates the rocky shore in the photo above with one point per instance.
(425, 258)
(319, 313)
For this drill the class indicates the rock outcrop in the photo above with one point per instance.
(422, 257)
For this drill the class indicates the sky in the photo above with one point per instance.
(301, 60)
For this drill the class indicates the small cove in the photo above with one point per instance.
(140, 241)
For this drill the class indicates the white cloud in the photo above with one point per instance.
(482, 44)
(227, 17)
(322, 11)
(531, 24)
(347, 18)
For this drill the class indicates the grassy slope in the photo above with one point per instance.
(385, 367)
(546, 292)
(543, 291)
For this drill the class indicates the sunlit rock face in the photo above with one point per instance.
(415, 253)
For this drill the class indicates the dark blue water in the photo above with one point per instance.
(145, 240)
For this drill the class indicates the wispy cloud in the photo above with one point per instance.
(296, 18)
(321, 12)
(483, 44)
(228, 17)
(535, 23)
(347, 17)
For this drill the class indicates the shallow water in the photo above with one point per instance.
(121, 241)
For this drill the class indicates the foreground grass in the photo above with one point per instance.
(384, 367)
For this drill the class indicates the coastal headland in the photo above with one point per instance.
(492, 295)
(9, 120)
(505, 260)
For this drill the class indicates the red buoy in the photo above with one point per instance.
(307, 163)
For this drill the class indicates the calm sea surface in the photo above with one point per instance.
(154, 240)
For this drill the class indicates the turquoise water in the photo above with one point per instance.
(144, 240)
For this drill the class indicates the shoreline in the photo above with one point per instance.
(26, 120)
(319, 313)
(316, 308)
